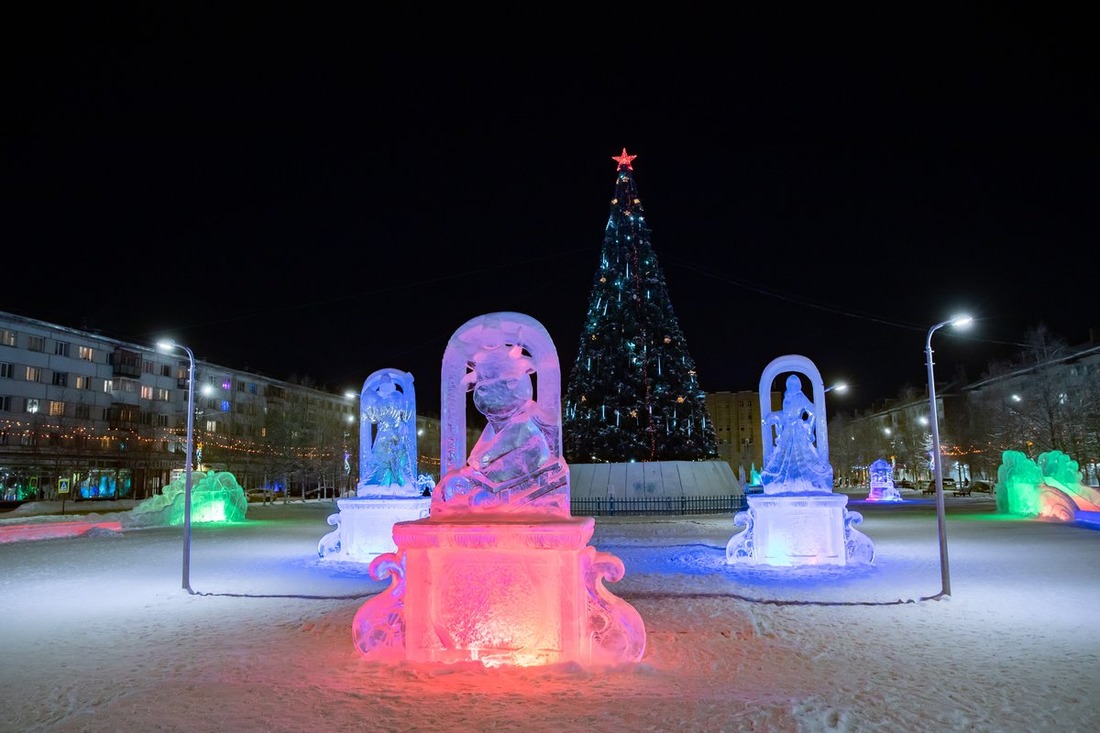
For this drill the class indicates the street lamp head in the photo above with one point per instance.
(961, 320)
(958, 321)
(839, 387)
(166, 345)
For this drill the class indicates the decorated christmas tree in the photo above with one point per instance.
(633, 394)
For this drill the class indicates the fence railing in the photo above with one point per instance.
(605, 507)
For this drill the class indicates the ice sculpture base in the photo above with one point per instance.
(364, 525)
(883, 493)
(798, 529)
(499, 590)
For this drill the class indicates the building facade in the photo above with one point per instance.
(87, 416)
(736, 419)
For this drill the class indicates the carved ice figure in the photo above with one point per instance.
(387, 435)
(516, 464)
(797, 520)
(499, 572)
(796, 458)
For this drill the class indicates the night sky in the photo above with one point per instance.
(321, 197)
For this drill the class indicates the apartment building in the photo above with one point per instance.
(736, 418)
(102, 417)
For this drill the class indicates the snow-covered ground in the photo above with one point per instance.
(99, 635)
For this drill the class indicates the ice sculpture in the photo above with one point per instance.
(389, 489)
(797, 520)
(882, 482)
(754, 476)
(499, 572)
(1050, 487)
(215, 497)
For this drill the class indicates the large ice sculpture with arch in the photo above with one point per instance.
(797, 520)
(389, 489)
(499, 572)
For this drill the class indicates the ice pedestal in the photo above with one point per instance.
(498, 590)
(883, 493)
(799, 529)
(364, 525)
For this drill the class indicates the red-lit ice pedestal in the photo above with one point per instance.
(798, 520)
(500, 592)
(500, 573)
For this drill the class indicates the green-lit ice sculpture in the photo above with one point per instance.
(215, 497)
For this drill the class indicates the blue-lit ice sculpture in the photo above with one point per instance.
(797, 520)
(499, 572)
(389, 489)
(882, 482)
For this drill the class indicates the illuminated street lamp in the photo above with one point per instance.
(839, 387)
(168, 346)
(354, 419)
(937, 463)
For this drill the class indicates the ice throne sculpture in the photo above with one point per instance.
(797, 520)
(499, 572)
(882, 482)
(389, 489)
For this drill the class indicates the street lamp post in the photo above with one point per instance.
(839, 387)
(170, 346)
(937, 461)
